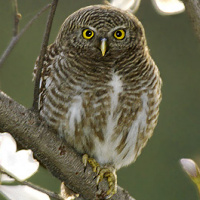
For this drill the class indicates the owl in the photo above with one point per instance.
(100, 90)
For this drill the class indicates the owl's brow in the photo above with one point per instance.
(117, 27)
(112, 29)
(90, 27)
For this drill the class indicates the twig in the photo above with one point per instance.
(36, 187)
(193, 10)
(60, 159)
(48, 192)
(15, 39)
(17, 17)
(42, 52)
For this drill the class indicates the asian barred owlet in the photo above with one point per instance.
(99, 87)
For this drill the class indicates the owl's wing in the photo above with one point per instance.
(45, 72)
(48, 58)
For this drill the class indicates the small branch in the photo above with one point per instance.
(36, 187)
(193, 10)
(48, 192)
(17, 17)
(60, 159)
(43, 51)
(16, 38)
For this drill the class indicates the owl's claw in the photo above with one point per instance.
(107, 172)
(94, 164)
(111, 176)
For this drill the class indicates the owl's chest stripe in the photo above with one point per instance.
(116, 88)
(116, 85)
(75, 112)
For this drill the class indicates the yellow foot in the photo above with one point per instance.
(107, 172)
(94, 164)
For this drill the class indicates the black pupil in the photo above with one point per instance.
(118, 33)
(88, 33)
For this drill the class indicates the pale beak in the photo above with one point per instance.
(103, 46)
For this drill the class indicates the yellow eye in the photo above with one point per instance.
(88, 34)
(119, 34)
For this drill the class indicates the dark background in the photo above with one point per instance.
(156, 175)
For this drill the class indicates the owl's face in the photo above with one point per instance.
(101, 33)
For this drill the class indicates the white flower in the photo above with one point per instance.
(5, 179)
(163, 7)
(132, 5)
(189, 167)
(22, 192)
(168, 7)
(20, 165)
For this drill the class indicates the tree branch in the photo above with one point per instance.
(193, 10)
(61, 160)
(15, 38)
(17, 17)
(42, 52)
(48, 192)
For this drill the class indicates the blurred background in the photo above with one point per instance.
(157, 173)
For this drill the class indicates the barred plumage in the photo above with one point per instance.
(105, 106)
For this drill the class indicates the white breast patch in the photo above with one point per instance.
(75, 112)
(116, 84)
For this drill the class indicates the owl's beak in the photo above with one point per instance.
(103, 46)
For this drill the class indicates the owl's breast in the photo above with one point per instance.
(92, 115)
(107, 121)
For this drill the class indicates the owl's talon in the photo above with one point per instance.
(85, 160)
(110, 174)
(98, 169)
(94, 164)
(107, 172)
(98, 180)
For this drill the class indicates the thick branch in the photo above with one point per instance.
(193, 10)
(61, 160)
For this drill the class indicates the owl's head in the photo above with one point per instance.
(101, 32)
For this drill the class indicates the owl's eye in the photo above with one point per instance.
(119, 34)
(88, 34)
